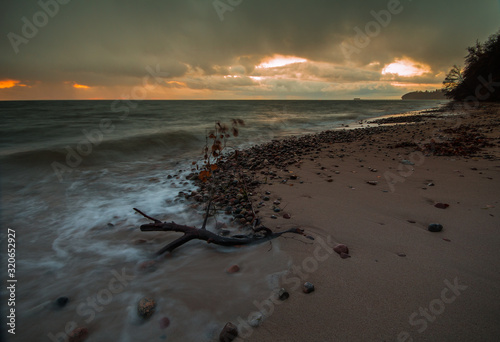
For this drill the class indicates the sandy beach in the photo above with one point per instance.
(250, 171)
(377, 195)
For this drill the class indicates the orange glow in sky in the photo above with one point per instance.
(279, 61)
(182, 84)
(8, 83)
(80, 86)
(406, 68)
(419, 86)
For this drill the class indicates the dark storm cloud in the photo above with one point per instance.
(112, 42)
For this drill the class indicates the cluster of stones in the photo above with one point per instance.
(233, 184)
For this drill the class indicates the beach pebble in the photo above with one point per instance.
(274, 217)
(146, 307)
(372, 182)
(164, 323)
(229, 333)
(307, 287)
(402, 255)
(407, 162)
(286, 216)
(340, 248)
(256, 319)
(233, 269)
(283, 294)
(61, 302)
(441, 205)
(78, 335)
(435, 227)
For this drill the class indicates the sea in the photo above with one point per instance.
(71, 174)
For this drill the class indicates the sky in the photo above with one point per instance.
(234, 49)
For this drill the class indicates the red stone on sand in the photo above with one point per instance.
(341, 249)
(164, 323)
(233, 269)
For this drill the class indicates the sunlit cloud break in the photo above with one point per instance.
(406, 67)
(80, 86)
(279, 61)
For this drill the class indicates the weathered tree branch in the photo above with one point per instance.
(191, 233)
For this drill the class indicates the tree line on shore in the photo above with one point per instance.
(479, 79)
(437, 94)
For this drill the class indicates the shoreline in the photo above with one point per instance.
(349, 132)
(376, 190)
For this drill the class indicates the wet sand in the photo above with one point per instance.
(402, 282)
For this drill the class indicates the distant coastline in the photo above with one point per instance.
(437, 94)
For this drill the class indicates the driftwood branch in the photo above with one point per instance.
(191, 233)
(146, 216)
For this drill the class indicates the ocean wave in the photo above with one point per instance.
(93, 151)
